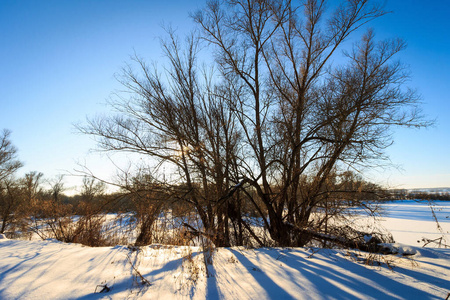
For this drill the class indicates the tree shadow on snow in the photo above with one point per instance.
(328, 275)
(273, 290)
(212, 289)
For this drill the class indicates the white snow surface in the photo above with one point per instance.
(53, 270)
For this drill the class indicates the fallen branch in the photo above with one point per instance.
(440, 242)
(372, 245)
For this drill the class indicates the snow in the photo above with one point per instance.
(53, 270)
(410, 221)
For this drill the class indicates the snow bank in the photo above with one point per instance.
(50, 270)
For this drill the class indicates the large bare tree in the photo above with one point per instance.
(304, 118)
(277, 125)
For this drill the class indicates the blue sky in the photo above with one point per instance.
(58, 60)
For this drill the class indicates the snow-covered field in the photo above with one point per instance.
(53, 270)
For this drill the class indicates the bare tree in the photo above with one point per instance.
(32, 187)
(88, 229)
(56, 188)
(9, 190)
(10, 200)
(148, 198)
(301, 117)
(8, 156)
(183, 120)
(91, 189)
(276, 125)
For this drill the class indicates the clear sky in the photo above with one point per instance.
(58, 60)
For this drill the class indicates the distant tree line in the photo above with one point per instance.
(404, 194)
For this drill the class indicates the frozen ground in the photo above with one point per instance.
(53, 270)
